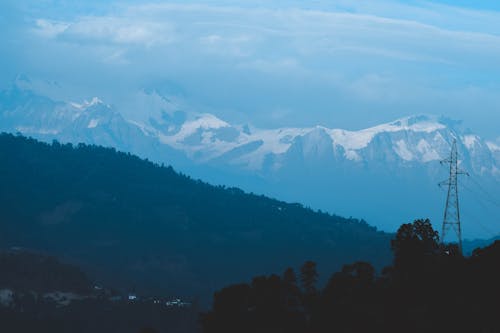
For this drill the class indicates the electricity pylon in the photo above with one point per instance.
(451, 219)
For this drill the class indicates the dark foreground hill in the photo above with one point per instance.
(38, 293)
(133, 224)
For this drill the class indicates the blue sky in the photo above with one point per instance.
(337, 63)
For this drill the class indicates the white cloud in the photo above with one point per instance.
(239, 32)
(236, 46)
(108, 30)
(116, 57)
(310, 57)
(374, 87)
(50, 29)
(279, 66)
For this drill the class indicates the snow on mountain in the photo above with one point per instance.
(204, 138)
(418, 139)
(421, 149)
(152, 108)
(28, 113)
(25, 111)
(493, 146)
(353, 140)
(328, 168)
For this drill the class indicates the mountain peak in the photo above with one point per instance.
(22, 80)
(95, 101)
(420, 122)
(46, 88)
(415, 119)
(416, 123)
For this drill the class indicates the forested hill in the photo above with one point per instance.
(139, 225)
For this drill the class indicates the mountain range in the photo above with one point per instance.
(389, 168)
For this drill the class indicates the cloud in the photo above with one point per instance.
(240, 32)
(50, 29)
(321, 60)
(279, 66)
(235, 46)
(107, 30)
(374, 87)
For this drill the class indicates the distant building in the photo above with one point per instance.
(177, 302)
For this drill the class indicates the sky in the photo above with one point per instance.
(337, 63)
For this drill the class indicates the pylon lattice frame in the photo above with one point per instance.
(451, 219)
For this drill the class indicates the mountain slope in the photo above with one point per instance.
(151, 117)
(332, 169)
(24, 111)
(132, 222)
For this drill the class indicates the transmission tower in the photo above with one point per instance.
(451, 221)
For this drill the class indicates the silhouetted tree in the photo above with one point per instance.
(231, 311)
(431, 288)
(362, 272)
(352, 281)
(292, 290)
(309, 278)
(289, 277)
(148, 330)
(414, 242)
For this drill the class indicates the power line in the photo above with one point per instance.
(485, 193)
(476, 197)
(472, 217)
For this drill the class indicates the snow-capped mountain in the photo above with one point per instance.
(204, 138)
(24, 111)
(402, 143)
(337, 170)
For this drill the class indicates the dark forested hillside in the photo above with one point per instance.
(135, 224)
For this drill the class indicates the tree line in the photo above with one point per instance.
(430, 287)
